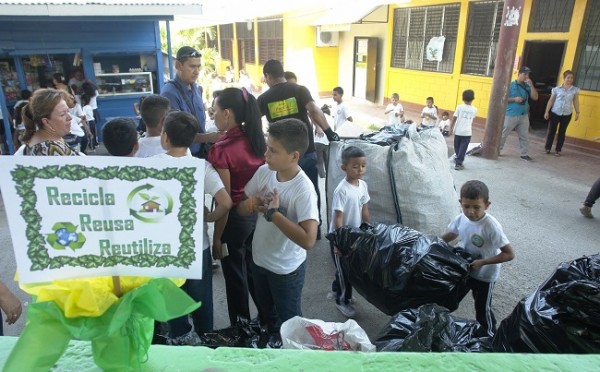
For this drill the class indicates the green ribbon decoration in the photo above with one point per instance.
(120, 337)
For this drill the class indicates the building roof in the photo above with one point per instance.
(62, 8)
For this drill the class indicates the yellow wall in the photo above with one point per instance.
(414, 86)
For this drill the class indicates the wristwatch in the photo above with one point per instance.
(270, 211)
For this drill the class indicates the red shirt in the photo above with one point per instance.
(233, 152)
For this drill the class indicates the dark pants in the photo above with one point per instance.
(308, 163)
(562, 122)
(94, 137)
(237, 267)
(341, 285)
(482, 295)
(321, 151)
(461, 143)
(199, 290)
(593, 195)
(279, 297)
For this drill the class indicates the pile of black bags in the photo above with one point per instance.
(395, 267)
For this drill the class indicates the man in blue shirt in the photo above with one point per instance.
(517, 110)
(186, 95)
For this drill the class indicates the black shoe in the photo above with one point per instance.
(526, 158)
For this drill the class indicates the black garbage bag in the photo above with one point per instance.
(395, 267)
(243, 334)
(387, 135)
(431, 328)
(561, 316)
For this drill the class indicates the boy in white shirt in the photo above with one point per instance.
(341, 112)
(349, 207)
(462, 127)
(178, 133)
(482, 236)
(444, 124)
(429, 114)
(395, 111)
(153, 110)
(283, 193)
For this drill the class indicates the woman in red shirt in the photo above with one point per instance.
(236, 157)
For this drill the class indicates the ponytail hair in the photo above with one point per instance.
(246, 114)
(40, 106)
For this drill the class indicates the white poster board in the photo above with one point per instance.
(91, 216)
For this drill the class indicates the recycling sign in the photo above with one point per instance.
(93, 216)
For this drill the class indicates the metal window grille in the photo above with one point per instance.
(245, 37)
(551, 15)
(226, 34)
(588, 69)
(481, 42)
(270, 40)
(414, 27)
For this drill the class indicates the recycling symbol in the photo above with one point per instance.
(65, 235)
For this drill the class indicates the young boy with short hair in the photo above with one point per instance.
(462, 127)
(429, 114)
(395, 111)
(178, 133)
(284, 194)
(341, 112)
(153, 110)
(482, 236)
(349, 207)
(120, 137)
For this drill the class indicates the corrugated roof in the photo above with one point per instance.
(68, 8)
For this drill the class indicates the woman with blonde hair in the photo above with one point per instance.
(47, 121)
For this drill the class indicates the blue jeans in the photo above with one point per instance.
(278, 296)
(199, 290)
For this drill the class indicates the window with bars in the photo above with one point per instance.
(226, 35)
(551, 15)
(270, 40)
(481, 42)
(588, 68)
(245, 36)
(414, 27)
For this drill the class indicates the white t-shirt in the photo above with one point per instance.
(349, 199)
(464, 122)
(89, 112)
(271, 249)
(392, 118)
(212, 185)
(149, 146)
(341, 114)
(482, 239)
(444, 125)
(430, 111)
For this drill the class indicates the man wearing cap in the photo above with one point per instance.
(186, 96)
(517, 110)
(289, 100)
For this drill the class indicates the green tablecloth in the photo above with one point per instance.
(186, 358)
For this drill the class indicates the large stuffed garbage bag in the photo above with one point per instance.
(408, 176)
(395, 267)
(431, 328)
(561, 316)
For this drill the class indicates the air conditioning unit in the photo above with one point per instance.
(327, 38)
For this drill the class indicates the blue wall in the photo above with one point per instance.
(22, 36)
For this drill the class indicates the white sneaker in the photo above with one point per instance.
(191, 339)
(347, 310)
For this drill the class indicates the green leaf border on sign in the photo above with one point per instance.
(24, 177)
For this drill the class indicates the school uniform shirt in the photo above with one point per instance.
(150, 146)
(89, 112)
(464, 115)
(341, 115)
(212, 185)
(349, 200)
(444, 124)
(482, 239)
(271, 249)
(392, 118)
(430, 111)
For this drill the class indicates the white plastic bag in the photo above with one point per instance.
(315, 334)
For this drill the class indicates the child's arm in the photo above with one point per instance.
(506, 254)
(303, 233)
(365, 213)
(449, 236)
(10, 304)
(349, 118)
(454, 118)
(221, 212)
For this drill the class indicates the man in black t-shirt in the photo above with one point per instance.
(289, 100)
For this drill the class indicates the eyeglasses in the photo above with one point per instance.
(194, 54)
